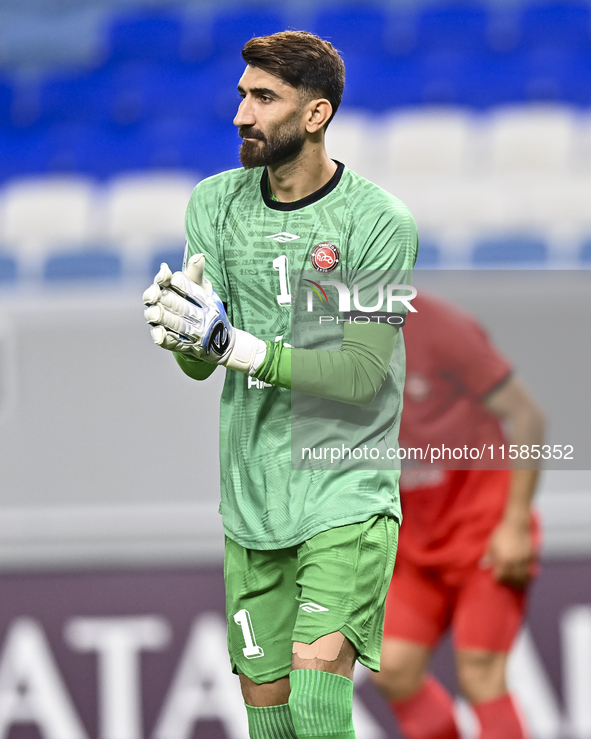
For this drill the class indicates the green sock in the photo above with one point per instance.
(321, 705)
(270, 722)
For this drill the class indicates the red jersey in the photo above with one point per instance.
(452, 367)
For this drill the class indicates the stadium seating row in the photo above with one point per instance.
(71, 228)
(136, 91)
(199, 30)
(548, 138)
(102, 264)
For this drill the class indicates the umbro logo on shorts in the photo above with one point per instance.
(283, 237)
(312, 608)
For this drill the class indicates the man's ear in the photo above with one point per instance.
(319, 113)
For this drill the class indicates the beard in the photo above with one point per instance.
(279, 145)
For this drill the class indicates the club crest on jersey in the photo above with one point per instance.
(325, 257)
(220, 339)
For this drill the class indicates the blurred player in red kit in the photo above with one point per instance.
(468, 542)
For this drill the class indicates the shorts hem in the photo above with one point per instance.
(270, 677)
(423, 640)
(352, 636)
(503, 649)
(362, 657)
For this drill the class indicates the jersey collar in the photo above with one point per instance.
(309, 199)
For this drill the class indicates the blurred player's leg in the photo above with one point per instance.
(487, 617)
(499, 719)
(417, 613)
(428, 714)
(423, 709)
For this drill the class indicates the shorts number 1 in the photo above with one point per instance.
(252, 649)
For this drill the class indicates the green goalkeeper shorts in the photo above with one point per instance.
(335, 581)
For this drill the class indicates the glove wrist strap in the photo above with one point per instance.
(247, 353)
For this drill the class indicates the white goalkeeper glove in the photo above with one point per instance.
(186, 316)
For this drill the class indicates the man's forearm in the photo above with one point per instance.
(194, 368)
(353, 375)
(525, 427)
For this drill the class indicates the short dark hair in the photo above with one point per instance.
(301, 60)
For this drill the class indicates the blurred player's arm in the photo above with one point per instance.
(511, 549)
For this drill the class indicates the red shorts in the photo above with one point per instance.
(482, 613)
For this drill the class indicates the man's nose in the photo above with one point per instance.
(244, 116)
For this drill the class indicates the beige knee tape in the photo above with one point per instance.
(326, 648)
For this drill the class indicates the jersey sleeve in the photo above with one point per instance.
(384, 238)
(468, 354)
(352, 375)
(201, 229)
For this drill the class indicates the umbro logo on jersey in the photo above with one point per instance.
(312, 608)
(283, 237)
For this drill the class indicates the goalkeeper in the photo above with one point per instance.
(309, 552)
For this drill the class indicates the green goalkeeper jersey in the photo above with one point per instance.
(254, 245)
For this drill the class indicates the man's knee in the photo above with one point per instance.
(481, 674)
(403, 668)
(330, 653)
(264, 694)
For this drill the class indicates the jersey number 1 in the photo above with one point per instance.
(281, 265)
(252, 649)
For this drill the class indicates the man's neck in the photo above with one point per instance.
(301, 176)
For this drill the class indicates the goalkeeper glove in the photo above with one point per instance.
(186, 316)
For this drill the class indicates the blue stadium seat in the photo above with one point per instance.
(69, 144)
(74, 95)
(197, 40)
(454, 26)
(379, 87)
(49, 34)
(145, 34)
(173, 256)
(192, 145)
(515, 251)
(556, 24)
(558, 74)
(443, 73)
(429, 256)
(114, 149)
(232, 28)
(150, 90)
(174, 143)
(5, 102)
(85, 265)
(585, 253)
(132, 89)
(358, 28)
(8, 268)
(493, 79)
(24, 151)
